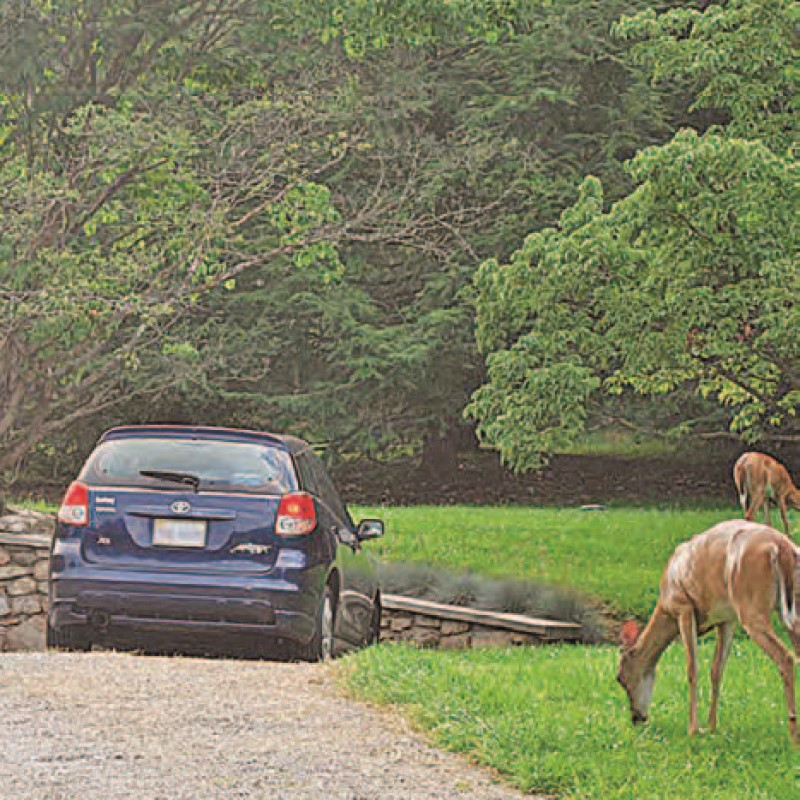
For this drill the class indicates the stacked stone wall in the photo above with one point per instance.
(427, 631)
(24, 546)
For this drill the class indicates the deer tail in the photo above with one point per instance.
(783, 567)
(743, 499)
(741, 485)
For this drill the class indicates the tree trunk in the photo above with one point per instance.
(440, 453)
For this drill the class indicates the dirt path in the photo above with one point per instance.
(113, 726)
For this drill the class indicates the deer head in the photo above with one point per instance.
(635, 676)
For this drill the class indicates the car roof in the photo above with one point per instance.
(293, 444)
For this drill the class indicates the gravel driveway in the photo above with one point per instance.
(110, 726)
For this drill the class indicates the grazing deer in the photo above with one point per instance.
(736, 571)
(760, 479)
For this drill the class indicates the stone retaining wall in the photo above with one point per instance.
(424, 631)
(24, 546)
(426, 624)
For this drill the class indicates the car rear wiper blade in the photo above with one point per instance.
(177, 477)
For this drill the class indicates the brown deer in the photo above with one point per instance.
(760, 480)
(736, 571)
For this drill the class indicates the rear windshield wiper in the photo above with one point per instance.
(176, 477)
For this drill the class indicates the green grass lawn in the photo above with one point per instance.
(35, 505)
(616, 555)
(553, 720)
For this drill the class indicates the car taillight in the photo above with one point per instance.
(296, 515)
(75, 506)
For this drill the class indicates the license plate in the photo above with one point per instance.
(179, 533)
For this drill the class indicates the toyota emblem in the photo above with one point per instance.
(180, 507)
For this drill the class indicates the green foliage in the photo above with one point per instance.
(685, 288)
(738, 58)
(471, 146)
(553, 721)
(448, 153)
(120, 207)
(364, 26)
(269, 214)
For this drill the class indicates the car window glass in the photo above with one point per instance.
(219, 465)
(326, 489)
(307, 478)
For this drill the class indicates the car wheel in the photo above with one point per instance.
(320, 648)
(72, 638)
(375, 622)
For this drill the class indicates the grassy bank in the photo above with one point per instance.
(554, 721)
(615, 555)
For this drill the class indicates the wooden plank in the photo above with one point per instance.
(548, 628)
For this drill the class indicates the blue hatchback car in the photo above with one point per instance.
(206, 531)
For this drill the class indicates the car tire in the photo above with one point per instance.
(72, 638)
(375, 622)
(320, 648)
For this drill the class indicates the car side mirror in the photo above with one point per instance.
(369, 529)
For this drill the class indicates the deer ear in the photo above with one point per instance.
(629, 633)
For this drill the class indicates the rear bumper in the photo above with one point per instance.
(272, 607)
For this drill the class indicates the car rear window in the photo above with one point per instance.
(220, 466)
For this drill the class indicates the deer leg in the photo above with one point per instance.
(784, 515)
(688, 628)
(724, 640)
(743, 496)
(754, 501)
(762, 633)
(794, 635)
(767, 515)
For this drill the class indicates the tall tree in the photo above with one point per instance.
(270, 213)
(685, 288)
(148, 157)
(117, 208)
(465, 143)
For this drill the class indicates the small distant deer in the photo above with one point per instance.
(760, 479)
(736, 571)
